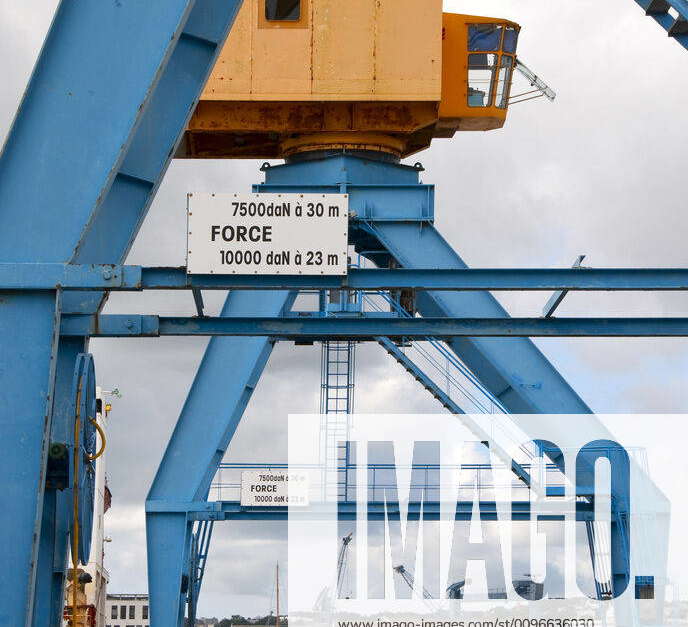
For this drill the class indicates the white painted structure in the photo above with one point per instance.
(96, 591)
(126, 610)
(268, 234)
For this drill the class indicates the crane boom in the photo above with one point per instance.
(341, 561)
(408, 578)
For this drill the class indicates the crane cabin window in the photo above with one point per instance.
(504, 81)
(481, 77)
(510, 39)
(282, 10)
(485, 37)
(491, 60)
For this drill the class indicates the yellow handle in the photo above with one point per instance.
(94, 422)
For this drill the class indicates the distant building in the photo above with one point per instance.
(126, 610)
(526, 588)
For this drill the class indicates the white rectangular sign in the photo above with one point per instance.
(268, 234)
(273, 488)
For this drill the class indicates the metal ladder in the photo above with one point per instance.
(336, 404)
(198, 556)
(671, 15)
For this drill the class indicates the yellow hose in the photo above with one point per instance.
(75, 494)
(75, 504)
(103, 441)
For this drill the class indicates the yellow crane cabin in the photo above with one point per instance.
(375, 75)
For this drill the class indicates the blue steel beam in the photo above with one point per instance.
(112, 277)
(190, 461)
(593, 279)
(223, 386)
(346, 510)
(558, 297)
(368, 327)
(65, 276)
(97, 72)
(29, 328)
(57, 510)
(675, 26)
(513, 369)
(110, 233)
(104, 109)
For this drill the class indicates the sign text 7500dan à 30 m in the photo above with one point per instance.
(268, 234)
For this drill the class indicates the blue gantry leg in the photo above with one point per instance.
(57, 514)
(104, 110)
(225, 381)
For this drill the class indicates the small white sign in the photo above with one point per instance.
(268, 234)
(273, 488)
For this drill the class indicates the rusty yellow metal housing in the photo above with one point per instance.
(384, 75)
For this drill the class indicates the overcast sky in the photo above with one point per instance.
(599, 172)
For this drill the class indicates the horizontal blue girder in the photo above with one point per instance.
(347, 510)
(49, 276)
(315, 328)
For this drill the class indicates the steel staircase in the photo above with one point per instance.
(449, 404)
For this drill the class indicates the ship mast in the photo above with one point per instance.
(277, 609)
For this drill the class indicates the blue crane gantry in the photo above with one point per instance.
(113, 88)
(110, 96)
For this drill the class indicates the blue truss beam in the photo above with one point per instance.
(113, 277)
(367, 327)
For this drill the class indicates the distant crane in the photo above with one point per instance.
(342, 561)
(408, 578)
(455, 591)
(325, 600)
